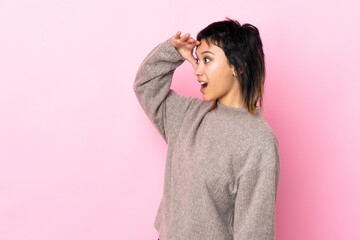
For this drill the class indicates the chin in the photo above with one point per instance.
(208, 99)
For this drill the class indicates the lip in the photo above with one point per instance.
(202, 90)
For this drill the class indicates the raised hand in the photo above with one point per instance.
(185, 46)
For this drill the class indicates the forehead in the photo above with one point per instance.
(205, 47)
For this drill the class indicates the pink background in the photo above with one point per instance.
(80, 160)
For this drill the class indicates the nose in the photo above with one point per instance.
(198, 70)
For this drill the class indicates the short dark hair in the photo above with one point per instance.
(243, 48)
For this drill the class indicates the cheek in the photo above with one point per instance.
(214, 70)
(219, 71)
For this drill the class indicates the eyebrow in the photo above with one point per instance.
(206, 52)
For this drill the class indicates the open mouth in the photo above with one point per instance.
(203, 85)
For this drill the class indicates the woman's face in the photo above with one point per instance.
(213, 68)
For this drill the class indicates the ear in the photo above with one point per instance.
(234, 71)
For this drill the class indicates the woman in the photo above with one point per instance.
(222, 167)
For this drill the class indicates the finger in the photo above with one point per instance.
(193, 62)
(185, 37)
(194, 44)
(177, 35)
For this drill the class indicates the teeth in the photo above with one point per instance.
(202, 83)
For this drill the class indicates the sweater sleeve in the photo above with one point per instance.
(254, 212)
(163, 106)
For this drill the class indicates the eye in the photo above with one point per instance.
(197, 60)
(206, 59)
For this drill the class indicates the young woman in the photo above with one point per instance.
(222, 167)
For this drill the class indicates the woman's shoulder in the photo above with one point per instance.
(260, 150)
(263, 133)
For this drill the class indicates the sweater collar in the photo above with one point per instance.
(224, 108)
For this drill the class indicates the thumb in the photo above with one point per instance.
(193, 62)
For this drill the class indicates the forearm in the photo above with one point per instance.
(153, 81)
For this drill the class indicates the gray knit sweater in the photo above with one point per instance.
(222, 166)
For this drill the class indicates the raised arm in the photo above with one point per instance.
(164, 107)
